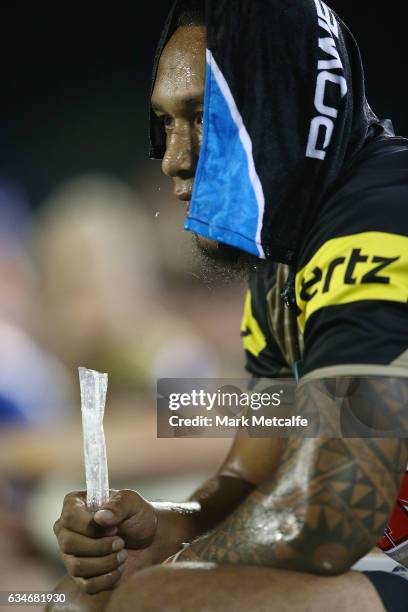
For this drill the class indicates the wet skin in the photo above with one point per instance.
(257, 520)
(178, 101)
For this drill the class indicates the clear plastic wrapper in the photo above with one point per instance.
(93, 396)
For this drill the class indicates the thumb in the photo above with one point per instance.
(134, 518)
(106, 518)
(121, 506)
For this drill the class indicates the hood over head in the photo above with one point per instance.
(284, 110)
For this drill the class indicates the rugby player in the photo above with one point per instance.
(260, 118)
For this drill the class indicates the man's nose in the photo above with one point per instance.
(180, 159)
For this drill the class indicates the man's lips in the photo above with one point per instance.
(184, 196)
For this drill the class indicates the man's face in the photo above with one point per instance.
(178, 101)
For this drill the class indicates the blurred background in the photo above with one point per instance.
(95, 270)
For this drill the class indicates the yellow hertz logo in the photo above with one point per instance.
(252, 336)
(368, 266)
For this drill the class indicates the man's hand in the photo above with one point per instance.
(129, 533)
(97, 548)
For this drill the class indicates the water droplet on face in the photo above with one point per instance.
(157, 214)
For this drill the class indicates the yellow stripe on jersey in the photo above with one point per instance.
(252, 336)
(366, 266)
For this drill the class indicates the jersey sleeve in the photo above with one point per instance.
(352, 282)
(264, 358)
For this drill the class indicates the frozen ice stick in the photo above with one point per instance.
(93, 396)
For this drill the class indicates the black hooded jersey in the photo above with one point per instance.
(284, 110)
(351, 280)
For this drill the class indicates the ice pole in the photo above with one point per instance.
(93, 396)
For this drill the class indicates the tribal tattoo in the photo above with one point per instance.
(330, 498)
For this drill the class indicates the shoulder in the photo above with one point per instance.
(352, 273)
(371, 196)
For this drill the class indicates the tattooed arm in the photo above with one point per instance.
(330, 498)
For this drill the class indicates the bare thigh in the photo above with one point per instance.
(194, 587)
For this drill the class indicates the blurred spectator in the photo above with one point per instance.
(34, 387)
(101, 294)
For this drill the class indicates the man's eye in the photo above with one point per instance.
(200, 119)
(168, 122)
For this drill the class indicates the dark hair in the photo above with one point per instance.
(192, 13)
